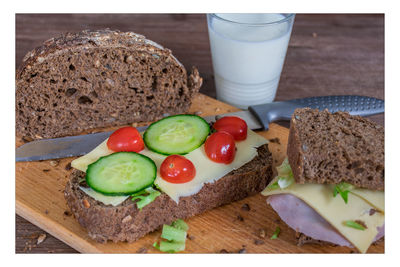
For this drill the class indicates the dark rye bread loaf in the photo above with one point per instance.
(331, 148)
(126, 223)
(93, 79)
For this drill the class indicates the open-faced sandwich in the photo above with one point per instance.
(330, 188)
(133, 183)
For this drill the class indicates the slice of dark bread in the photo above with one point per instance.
(302, 239)
(126, 223)
(331, 148)
(93, 79)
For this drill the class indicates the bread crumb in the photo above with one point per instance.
(246, 207)
(67, 213)
(54, 163)
(259, 242)
(27, 139)
(275, 140)
(243, 250)
(142, 250)
(68, 166)
(41, 238)
(261, 233)
(372, 212)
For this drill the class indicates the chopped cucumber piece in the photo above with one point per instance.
(173, 234)
(180, 224)
(121, 173)
(177, 134)
(176, 236)
(171, 247)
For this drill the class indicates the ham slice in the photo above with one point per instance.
(302, 218)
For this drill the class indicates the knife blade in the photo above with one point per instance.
(71, 146)
(257, 117)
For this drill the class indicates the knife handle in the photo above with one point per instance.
(355, 105)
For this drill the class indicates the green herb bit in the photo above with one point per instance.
(142, 192)
(276, 233)
(354, 225)
(343, 189)
(273, 186)
(145, 199)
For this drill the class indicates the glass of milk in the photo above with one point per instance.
(248, 52)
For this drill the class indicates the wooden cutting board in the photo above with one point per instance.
(233, 227)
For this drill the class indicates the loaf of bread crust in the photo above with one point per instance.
(333, 148)
(93, 79)
(126, 223)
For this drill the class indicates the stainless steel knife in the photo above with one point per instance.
(257, 117)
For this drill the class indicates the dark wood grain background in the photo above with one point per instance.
(329, 54)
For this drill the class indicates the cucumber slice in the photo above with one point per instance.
(121, 173)
(177, 134)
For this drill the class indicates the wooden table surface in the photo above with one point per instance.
(328, 54)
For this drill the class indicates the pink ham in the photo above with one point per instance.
(304, 219)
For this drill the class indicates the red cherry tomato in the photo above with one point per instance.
(127, 139)
(220, 147)
(232, 125)
(177, 169)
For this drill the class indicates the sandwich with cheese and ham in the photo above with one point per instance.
(330, 188)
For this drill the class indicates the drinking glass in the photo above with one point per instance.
(248, 52)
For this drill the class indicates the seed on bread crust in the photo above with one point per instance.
(86, 203)
(127, 219)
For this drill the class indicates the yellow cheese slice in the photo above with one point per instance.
(107, 200)
(336, 211)
(373, 197)
(83, 162)
(207, 171)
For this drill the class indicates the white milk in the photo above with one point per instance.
(248, 59)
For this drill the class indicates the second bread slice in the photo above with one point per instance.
(333, 148)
